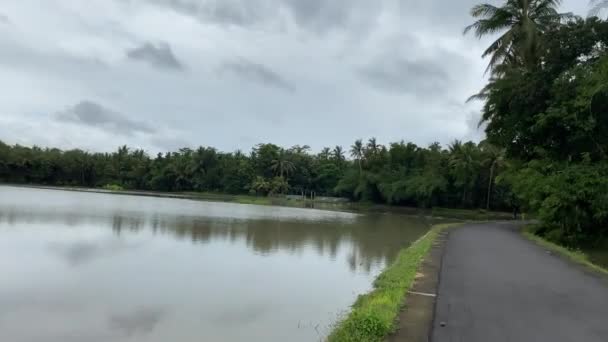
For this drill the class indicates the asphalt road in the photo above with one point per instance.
(496, 286)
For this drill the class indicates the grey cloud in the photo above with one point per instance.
(316, 15)
(258, 73)
(398, 74)
(322, 15)
(169, 143)
(91, 114)
(159, 55)
(139, 322)
(232, 12)
(4, 19)
(475, 127)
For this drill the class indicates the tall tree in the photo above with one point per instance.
(356, 151)
(464, 165)
(338, 154)
(282, 166)
(493, 158)
(522, 24)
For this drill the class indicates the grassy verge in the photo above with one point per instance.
(471, 214)
(373, 315)
(575, 255)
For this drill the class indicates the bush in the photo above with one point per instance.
(113, 187)
(571, 199)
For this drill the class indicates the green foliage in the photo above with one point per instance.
(550, 118)
(373, 314)
(400, 174)
(571, 198)
(521, 24)
(113, 187)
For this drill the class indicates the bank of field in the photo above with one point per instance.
(576, 255)
(373, 315)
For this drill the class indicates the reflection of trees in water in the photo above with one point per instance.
(369, 240)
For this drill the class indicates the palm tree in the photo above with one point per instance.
(338, 153)
(521, 22)
(494, 157)
(597, 7)
(281, 166)
(372, 146)
(356, 151)
(463, 162)
(325, 153)
(297, 149)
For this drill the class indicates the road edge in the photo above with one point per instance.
(416, 317)
(578, 259)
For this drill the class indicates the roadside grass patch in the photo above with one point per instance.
(113, 187)
(373, 315)
(577, 256)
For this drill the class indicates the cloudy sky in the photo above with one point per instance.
(163, 74)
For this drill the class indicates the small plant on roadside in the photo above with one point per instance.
(113, 187)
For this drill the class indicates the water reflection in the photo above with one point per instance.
(94, 267)
(375, 238)
(81, 252)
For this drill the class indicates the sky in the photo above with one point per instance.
(166, 74)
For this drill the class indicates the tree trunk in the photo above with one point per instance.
(490, 185)
(464, 198)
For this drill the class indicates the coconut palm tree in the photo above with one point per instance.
(282, 166)
(356, 151)
(521, 22)
(494, 158)
(325, 153)
(597, 7)
(338, 153)
(372, 146)
(464, 165)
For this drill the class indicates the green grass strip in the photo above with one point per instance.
(373, 315)
(576, 256)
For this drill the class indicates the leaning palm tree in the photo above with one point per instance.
(356, 151)
(598, 6)
(521, 22)
(494, 158)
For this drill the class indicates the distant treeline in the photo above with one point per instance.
(401, 173)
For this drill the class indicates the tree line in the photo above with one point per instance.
(546, 105)
(461, 175)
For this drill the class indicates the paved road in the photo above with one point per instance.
(497, 286)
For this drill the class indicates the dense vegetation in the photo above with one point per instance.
(546, 104)
(460, 176)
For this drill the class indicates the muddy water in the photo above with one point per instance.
(97, 267)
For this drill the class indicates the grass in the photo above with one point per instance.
(373, 315)
(113, 187)
(471, 214)
(576, 256)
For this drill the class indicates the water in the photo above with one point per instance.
(95, 267)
